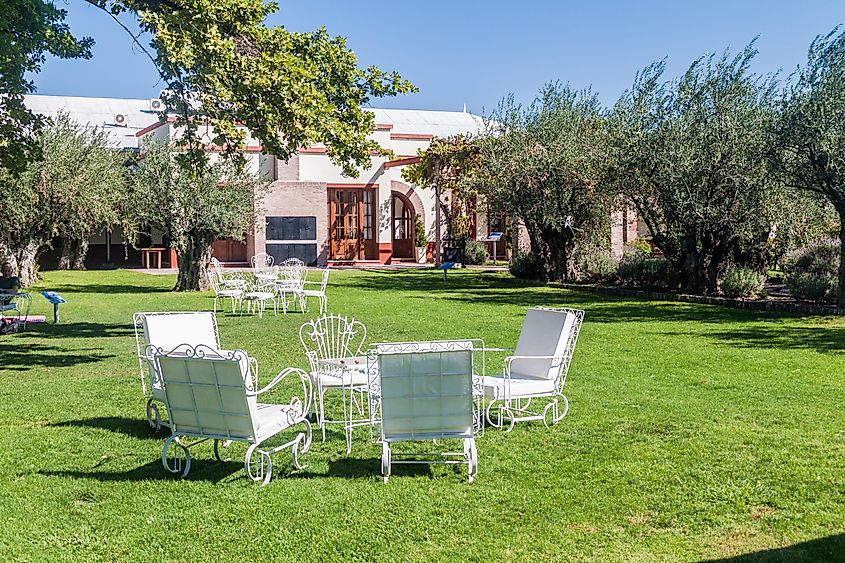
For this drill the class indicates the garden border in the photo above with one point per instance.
(754, 305)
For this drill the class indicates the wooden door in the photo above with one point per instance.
(403, 227)
(229, 250)
(351, 224)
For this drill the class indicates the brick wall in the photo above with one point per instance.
(295, 199)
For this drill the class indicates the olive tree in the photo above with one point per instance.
(809, 145)
(75, 190)
(189, 210)
(690, 155)
(543, 163)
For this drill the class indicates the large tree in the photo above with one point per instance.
(73, 191)
(29, 30)
(691, 157)
(542, 163)
(810, 132)
(190, 211)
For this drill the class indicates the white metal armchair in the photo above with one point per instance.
(536, 371)
(258, 294)
(426, 393)
(213, 395)
(320, 293)
(334, 337)
(233, 291)
(14, 310)
(261, 262)
(166, 331)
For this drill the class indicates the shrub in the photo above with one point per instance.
(597, 265)
(812, 271)
(810, 287)
(475, 253)
(525, 265)
(742, 282)
(420, 238)
(636, 270)
(641, 245)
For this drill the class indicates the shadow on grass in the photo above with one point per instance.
(785, 337)
(831, 548)
(70, 289)
(131, 427)
(495, 289)
(209, 470)
(20, 355)
(77, 330)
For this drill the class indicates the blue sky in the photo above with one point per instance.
(475, 52)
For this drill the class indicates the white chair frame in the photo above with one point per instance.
(14, 308)
(212, 407)
(261, 261)
(399, 424)
(206, 335)
(330, 337)
(320, 294)
(258, 294)
(513, 406)
(233, 290)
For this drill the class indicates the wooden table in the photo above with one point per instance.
(146, 253)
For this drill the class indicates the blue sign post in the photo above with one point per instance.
(56, 300)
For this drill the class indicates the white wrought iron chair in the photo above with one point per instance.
(320, 294)
(289, 285)
(213, 395)
(335, 337)
(258, 294)
(167, 331)
(227, 280)
(233, 292)
(261, 262)
(426, 394)
(537, 370)
(14, 310)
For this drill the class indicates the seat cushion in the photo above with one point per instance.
(272, 419)
(259, 295)
(494, 387)
(349, 377)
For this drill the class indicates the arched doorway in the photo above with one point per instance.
(402, 226)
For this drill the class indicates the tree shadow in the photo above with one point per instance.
(77, 330)
(106, 288)
(821, 339)
(21, 355)
(831, 548)
(131, 427)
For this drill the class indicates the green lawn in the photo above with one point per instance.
(695, 432)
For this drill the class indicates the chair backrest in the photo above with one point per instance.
(332, 336)
(208, 394)
(546, 332)
(261, 261)
(169, 330)
(325, 281)
(426, 390)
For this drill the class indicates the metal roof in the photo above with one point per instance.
(137, 114)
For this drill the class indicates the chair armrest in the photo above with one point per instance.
(304, 378)
(510, 359)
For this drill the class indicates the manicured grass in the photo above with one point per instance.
(694, 432)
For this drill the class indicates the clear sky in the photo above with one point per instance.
(475, 52)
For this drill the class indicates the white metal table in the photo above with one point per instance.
(353, 375)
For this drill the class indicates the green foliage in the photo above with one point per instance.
(420, 238)
(637, 270)
(524, 265)
(640, 245)
(691, 156)
(476, 253)
(191, 211)
(811, 271)
(78, 188)
(29, 30)
(597, 265)
(543, 164)
(742, 282)
(809, 143)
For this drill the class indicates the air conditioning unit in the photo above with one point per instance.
(120, 120)
(156, 104)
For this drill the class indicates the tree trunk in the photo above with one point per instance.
(840, 288)
(194, 259)
(25, 260)
(73, 252)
